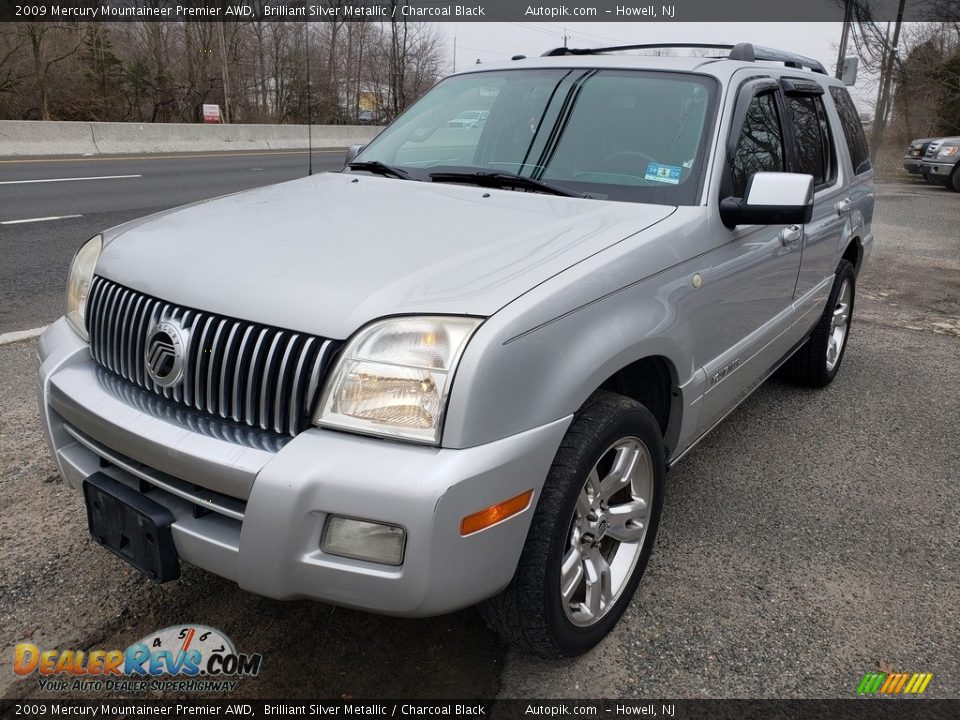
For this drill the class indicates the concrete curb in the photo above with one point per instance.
(21, 335)
(19, 138)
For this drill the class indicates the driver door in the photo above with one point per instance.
(747, 293)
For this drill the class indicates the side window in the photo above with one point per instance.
(852, 130)
(811, 137)
(760, 146)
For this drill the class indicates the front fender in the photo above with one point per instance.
(540, 358)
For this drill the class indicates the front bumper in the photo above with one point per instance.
(251, 507)
(938, 172)
(912, 164)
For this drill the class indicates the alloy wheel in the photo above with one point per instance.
(607, 531)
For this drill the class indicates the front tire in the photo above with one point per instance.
(592, 532)
(817, 362)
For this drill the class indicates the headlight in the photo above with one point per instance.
(78, 283)
(394, 376)
(948, 150)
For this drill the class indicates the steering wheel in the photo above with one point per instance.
(625, 162)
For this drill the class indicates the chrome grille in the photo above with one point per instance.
(254, 374)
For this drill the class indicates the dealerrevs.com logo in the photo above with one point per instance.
(177, 658)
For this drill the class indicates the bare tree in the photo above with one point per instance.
(906, 64)
(12, 51)
(164, 72)
(41, 37)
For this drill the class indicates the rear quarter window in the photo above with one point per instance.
(852, 130)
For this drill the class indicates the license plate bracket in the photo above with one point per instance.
(131, 526)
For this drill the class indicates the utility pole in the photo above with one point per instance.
(306, 42)
(886, 78)
(226, 75)
(844, 37)
(359, 72)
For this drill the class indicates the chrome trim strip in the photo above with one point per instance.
(215, 351)
(315, 376)
(237, 380)
(208, 503)
(265, 377)
(281, 395)
(250, 414)
(198, 358)
(296, 389)
(223, 402)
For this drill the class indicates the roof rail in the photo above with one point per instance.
(745, 52)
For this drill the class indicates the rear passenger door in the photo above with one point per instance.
(813, 151)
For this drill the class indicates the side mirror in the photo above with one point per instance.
(352, 152)
(772, 198)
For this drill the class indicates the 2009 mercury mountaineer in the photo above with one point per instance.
(457, 371)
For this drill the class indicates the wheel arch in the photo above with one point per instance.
(653, 382)
(854, 253)
(524, 381)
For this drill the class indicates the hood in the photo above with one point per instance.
(328, 253)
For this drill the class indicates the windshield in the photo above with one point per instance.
(613, 134)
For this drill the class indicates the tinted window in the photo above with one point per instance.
(810, 139)
(760, 147)
(852, 129)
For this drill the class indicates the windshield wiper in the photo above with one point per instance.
(378, 168)
(487, 178)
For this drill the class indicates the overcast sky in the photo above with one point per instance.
(500, 40)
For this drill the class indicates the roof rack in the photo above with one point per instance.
(745, 52)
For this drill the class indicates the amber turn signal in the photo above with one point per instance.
(495, 513)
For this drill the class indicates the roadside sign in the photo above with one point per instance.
(211, 113)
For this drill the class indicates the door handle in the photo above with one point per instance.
(789, 235)
(843, 207)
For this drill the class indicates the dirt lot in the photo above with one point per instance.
(810, 539)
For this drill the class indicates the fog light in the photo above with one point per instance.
(363, 540)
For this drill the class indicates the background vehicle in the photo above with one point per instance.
(913, 158)
(473, 393)
(469, 119)
(941, 163)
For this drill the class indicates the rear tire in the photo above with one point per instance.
(591, 535)
(817, 362)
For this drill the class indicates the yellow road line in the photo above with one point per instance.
(169, 157)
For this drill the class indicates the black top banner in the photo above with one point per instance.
(59, 11)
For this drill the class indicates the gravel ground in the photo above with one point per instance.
(812, 538)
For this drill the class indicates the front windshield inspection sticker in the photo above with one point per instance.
(663, 173)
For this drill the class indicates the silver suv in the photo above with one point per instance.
(458, 371)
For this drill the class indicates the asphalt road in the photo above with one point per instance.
(810, 539)
(88, 195)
